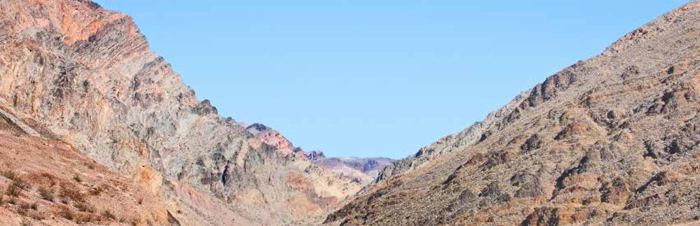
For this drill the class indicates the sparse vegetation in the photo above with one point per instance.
(21, 183)
(71, 192)
(85, 218)
(38, 216)
(26, 222)
(84, 207)
(9, 174)
(47, 193)
(98, 190)
(13, 190)
(77, 178)
(67, 213)
(45, 178)
(136, 221)
(16, 179)
(25, 206)
(109, 215)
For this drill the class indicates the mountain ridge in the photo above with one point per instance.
(609, 140)
(87, 76)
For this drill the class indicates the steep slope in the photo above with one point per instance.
(445, 145)
(610, 140)
(87, 76)
(45, 181)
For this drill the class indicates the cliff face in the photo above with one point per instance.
(610, 140)
(86, 76)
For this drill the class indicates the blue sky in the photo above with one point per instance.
(375, 78)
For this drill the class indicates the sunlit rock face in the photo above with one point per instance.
(610, 140)
(87, 76)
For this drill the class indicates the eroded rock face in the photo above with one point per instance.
(610, 140)
(87, 76)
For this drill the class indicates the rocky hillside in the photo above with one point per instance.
(610, 140)
(86, 77)
(46, 182)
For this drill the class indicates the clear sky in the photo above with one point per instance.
(375, 78)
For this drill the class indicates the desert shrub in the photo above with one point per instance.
(34, 206)
(99, 189)
(26, 222)
(23, 209)
(71, 192)
(25, 205)
(9, 174)
(16, 179)
(37, 216)
(21, 183)
(84, 207)
(109, 215)
(85, 218)
(42, 179)
(67, 213)
(13, 190)
(47, 193)
(77, 178)
(136, 221)
(2, 199)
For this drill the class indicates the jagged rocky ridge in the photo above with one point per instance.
(611, 140)
(86, 75)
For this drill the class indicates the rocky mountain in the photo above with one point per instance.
(84, 76)
(46, 180)
(371, 167)
(611, 140)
